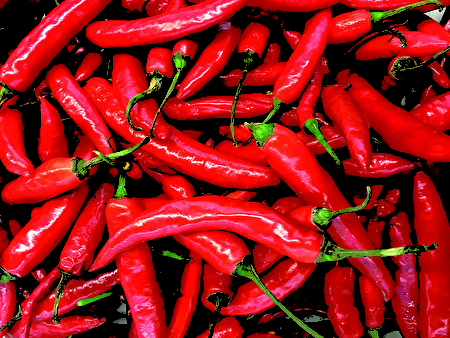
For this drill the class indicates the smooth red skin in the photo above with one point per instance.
(435, 112)
(187, 303)
(292, 38)
(46, 228)
(228, 327)
(439, 75)
(85, 148)
(12, 147)
(286, 277)
(406, 298)
(39, 274)
(392, 196)
(349, 26)
(373, 303)
(248, 106)
(132, 5)
(242, 195)
(215, 282)
(383, 5)
(79, 107)
(206, 213)
(175, 187)
(156, 7)
(272, 54)
(263, 75)
(264, 257)
(399, 129)
(67, 326)
(185, 47)
(418, 44)
(376, 191)
(334, 138)
(382, 165)
(434, 273)
(161, 28)
(75, 290)
(30, 303)
(46, 40)
(52, 142)
(375, 230)
(384, 208)
(78, 252)
(212, 60)
(241, 132)
(303, 61)
(291, 5)
(303, 216)
(160, 59)
(346, 115)
(433, 27)
(7, 303)
(254, 39)
(427, 94)
(286, 204)
(338, 291)
(4, 241)
(298, 167)
(179, 151)
(250, 152)
(88, 66)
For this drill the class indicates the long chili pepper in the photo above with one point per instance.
(345, 114)
(88, 66)
(303, 61)
(286, 204)
(78, 252)
(263, 75)
(382, 165)
(227, 327)
(181, 152)
(398, 129)
(434, 312)
(212, 60)
(240, 132)
(7, 303)
(251, 46)
(159, 66)
(250, 152)
(45, 41)
(334, 138)
(406, 298)
(52, 142)
(338, 291)
(382, 5)
(264, 257)
(273, 54)
(372, 300)
(435, 112)
(187, 303)
(175, 187)
(217, 292)
(79, 107)
(249, 105)
(56, 176)
(12, 147)
(162, 28)
(291, 5)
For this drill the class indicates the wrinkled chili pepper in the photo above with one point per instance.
(263, 75)
(382, 165)
(88, 66)
(372, 300)
(434, 112)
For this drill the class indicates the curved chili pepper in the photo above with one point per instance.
(435, 112)
(372, 300)
(12, 147)
(217, 292)
(382, 5)
(47, 226)
(7, 303)
(212, 60)
(161, 28)
(292, 38)
(249, 105)
(382, 165)
(434, 313)
(338, 291)
(79, 107)
(291, 5)
(272, 54)
(334, 138)
(52, 142)
(398, 129)
(88, 66)
(227, 327)
(175, 187)
(250, 152)
(263, 75)
(186, 304)
(406, 298)
(175, 5)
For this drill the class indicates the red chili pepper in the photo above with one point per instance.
(7, 303)
(264, 257)
(46, 40)
(435, 112)
(227, 327)
(263, 75)
(250, 152)
(4, 241)
(339, 288)
(372, 300)
(406, 298)
(187, 303)
(375, 230)
(85, 148)
(291, 5)
(272, 54)
(132, 5)
(88, 66)
(286, 204)
(79, 107)
(161, 28)
(438, 73)
(12, 147)
(384, 208)
(154, 7)
(343, 111)
(387, 5)
(334, 138)
(175, 187)
(249, 105)
(392, 196)
(398, 129)
(427, 94)
(382, 165)
(212, 60)
(376, 191)
(434, 313)
(175, 5)
(240, 132)
(217, 292)
(52, 142)
(292, 38)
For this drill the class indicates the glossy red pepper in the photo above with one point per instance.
(132, 5)
(291, 5)
(88, 66)
(392, 196)
(217, 291)
(435, 112)
(79, 107)
(292, 38)
(175, 187)
(273, 54)
(334, 138)
(339, 289)
(8, 303)
(161, 28)
(240, 132)
(406, 298)
(384, 208)
(227, 327)
(286, 204)
(438, 74)
(263, 75)
(250, 152)
(372, 300)
(52, 142)
(434, 312)
(375, 230)
(212, 60)
(382, 165)
(383, 5)
(427, 94)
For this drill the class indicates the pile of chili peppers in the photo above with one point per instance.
(154, 152)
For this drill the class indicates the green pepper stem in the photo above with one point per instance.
(276, 106)
(121, 191)
(402, 64)
(379, 16)
(65, 278)
(86, 301)
(246, 268)
(373, 333)
(13, 320)
(313, 126)
(331, 252)
(261, 131)
(322, 217)
(6, 276)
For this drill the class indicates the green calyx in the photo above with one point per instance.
(379, 16)
(5, 276)
(179, 61)
(261, 131)
(5, 94)
(86, 301)
(313, 126)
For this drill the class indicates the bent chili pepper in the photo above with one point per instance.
(88, 66)
(263, 75)
(382, 165)
(372, 300)
(435, 112)
(162, 28)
